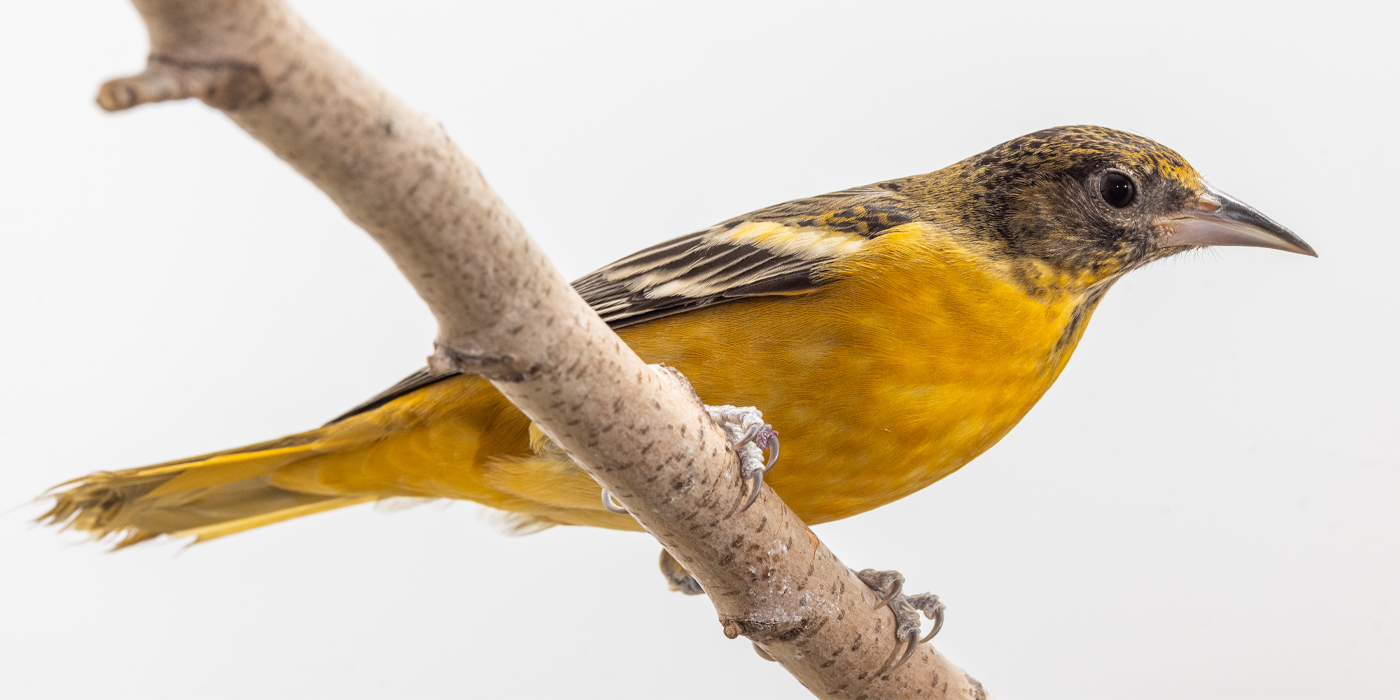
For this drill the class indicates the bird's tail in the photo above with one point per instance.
(202, 497)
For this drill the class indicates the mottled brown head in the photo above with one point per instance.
(1094, 203)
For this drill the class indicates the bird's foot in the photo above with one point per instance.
(889, 585)
(677, 577)
(750, 436)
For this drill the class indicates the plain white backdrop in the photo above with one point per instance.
(1206, 505)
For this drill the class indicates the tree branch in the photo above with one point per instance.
(505, 313)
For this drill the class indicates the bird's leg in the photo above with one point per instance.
(677, 577)
(889, 585)
(750, 436)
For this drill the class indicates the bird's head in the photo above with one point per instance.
(1087, 204)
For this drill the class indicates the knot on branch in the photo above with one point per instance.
(224, 85)
(772, 631)
(497, 368)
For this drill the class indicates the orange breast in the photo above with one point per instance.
(881, 383)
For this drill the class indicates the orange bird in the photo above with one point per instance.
(907, 326)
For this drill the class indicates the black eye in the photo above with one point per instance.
(1117, 189)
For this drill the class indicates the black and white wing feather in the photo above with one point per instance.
(780, 250)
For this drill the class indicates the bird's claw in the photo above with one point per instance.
(750, 436)
(932, 608)
(890, 586)
(613, 506)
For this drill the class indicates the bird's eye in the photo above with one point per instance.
(1117, 189)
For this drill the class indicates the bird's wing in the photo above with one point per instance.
(780, 250)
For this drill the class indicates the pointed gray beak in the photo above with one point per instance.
(1219, 219)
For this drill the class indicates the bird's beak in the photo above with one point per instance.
(1216, 218)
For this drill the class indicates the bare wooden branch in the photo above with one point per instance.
(505, 313)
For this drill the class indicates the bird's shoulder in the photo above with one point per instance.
(784, 249)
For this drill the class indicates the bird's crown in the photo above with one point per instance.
(1078, 148)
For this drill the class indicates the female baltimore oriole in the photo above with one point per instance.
(891, 332)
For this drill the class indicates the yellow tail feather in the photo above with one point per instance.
(229, 527)
(457, 438)
(202, 497)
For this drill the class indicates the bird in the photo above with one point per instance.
(891, 333)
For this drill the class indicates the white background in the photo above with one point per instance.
(1207, 504)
